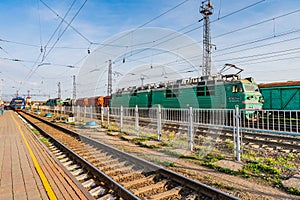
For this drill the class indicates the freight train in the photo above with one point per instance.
(98, 101)
(17, 103)
(201, 92)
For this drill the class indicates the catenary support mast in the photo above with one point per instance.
(206, 11)
(59, 90)
(74, 87)
(109, 85)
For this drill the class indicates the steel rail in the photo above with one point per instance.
(113, 185)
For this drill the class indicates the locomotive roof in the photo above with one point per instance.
(279, 84)
(188, 82)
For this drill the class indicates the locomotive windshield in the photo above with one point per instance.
(251, 87)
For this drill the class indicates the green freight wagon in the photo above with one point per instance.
(281, 95)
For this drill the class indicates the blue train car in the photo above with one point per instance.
(17, 103)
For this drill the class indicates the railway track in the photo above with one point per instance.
(108, 173)
(250, 138)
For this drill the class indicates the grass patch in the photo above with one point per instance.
(229, 144)
(164, 162)
(44, 140)
(294, 191)
(152, 146)
(262, 168)
(210, 158)
(172, 153)
(140, 139)
(36, 132)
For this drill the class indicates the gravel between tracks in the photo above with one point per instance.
(248, 189)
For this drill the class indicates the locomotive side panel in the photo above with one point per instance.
(165, 97)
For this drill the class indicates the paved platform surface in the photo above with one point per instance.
(27, 171)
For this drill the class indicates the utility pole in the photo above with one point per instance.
(206, 11)
(59, 90)
(109, 84)
(74, 87)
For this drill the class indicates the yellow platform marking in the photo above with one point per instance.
(45, 182)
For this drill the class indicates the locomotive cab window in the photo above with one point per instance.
(119, 94)
(237, 88)
(133, 93)
(210, 90)
(251, 87)
(171, 93)
(201, 91)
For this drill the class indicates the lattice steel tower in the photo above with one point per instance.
(109, 84)
(74, 87)
(59, 91)
(206, 11)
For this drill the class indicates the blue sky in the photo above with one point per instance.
(266, 46)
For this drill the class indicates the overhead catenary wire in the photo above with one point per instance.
(216, 53)
(230, 32)
(191, 30)
(151, 20)
(76, 14)
(258, 40)
(258, 23)
(57, 28)
(69, 24)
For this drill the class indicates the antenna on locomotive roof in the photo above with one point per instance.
(206, 11)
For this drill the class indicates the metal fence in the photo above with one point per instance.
(182, 124)
(272, 121)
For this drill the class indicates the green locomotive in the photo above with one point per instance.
(194, 92)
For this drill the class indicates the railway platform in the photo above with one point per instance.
(27, 170)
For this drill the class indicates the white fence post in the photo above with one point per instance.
(102, 113)
(60, 108)
(191, 129)
(108, 121)
(237, 138)
(121, 119)
(84, 113)
(158, 122)
(78, 113)
(91, 113)
(137, 120)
